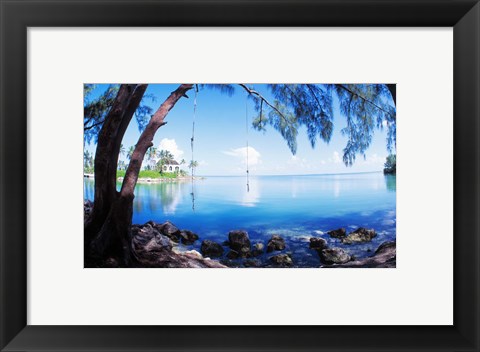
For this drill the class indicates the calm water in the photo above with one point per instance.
(295, 207)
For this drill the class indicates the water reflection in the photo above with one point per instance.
(219, 204)
(391, 182)
(159, 197)
(154, 198)
(251, 195)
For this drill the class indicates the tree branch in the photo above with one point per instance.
(364, 99)
(94, 125)
(262, 98)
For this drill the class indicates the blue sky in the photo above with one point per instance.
(221, 138)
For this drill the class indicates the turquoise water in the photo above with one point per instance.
(295, 207)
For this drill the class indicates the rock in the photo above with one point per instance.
(252, 263)
(232, 255)
(385, 257)
(276, 243)
(193, 254)
(283, 260)
(169, 229)
(360, 235)
(188, 237)
(153, 249)
(334, 256)
(149, 239)
(211, 249)
(389, 247)
(111, 263)
(244, 253)
(239, 242)
(338, 233)
(318, 243)
(258, 249)
(87, 209)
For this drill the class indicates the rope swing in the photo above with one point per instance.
(246, 132)
(191, 145)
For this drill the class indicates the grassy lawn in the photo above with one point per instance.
(149, 174)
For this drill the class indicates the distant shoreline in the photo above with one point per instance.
(165, 179)
(189, 178)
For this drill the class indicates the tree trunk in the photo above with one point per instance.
(106, 156)
(114, 238)
(393, 91)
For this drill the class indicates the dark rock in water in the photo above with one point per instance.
(87, 209)
(244, 253)
(258, 249)
(231, 264)
(360, 235)
(170, 230)
(226, 243)
(211, 249)
(188, 237)
(239, 242)
(276, 243)
(252, 263)
(283, 260)
(334, 256)
(338, 233)
(385, 257)
(318, 243)
(233, 254)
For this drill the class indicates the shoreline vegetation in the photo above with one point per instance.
(148, 176)
(156, 245)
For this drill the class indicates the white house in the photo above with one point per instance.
(172, 166)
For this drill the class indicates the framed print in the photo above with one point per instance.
(236, 175)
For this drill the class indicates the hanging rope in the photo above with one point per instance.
(193, 127)
(191, 145)
(246, 132)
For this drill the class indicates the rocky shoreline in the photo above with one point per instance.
(166, 246)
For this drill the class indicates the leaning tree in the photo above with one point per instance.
(288, 107)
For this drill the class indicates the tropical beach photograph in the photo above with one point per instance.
(241, 175)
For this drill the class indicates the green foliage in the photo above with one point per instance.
(366, 107)
(121, 165)
(193, 164)
(149, 174)
(130, 152)
(166, 157)
(96, 109)
(88, 162)
(390, 164)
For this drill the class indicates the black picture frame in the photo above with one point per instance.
(17, 15)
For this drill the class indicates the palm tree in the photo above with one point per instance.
(166, 156)
(193, 164)
(122, 149)
(152, 153)
(130, 152)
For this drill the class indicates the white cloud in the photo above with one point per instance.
(299, 162)
(336, 158)
(172, 147)
(254, 157)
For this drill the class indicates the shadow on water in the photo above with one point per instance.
(391, 182)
